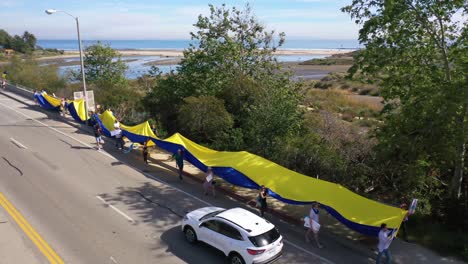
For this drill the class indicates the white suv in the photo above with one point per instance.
(241, 235)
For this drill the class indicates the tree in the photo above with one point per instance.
(104, 66)
(5, 39)
(204, 117)
(229, 42)
(105, 72)
(29, 41)
(17, 44)
(417, 50)
(232, 58)
(24, 44)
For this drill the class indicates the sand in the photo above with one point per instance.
(179, 53)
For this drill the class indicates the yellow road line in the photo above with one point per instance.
(48, 252)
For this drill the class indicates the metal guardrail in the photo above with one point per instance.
(20, 90)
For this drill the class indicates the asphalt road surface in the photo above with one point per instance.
(91, 208)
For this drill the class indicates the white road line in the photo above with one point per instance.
(115, 209)
(56, 130)
(158, 180)
(113, 260)
(307, 251)
(17, 143)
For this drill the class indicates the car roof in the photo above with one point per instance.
(253, 224)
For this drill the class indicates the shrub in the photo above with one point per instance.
(28, 73)
(365, 91)
(347, 117)
(204, 118)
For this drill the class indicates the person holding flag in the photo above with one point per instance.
(385, 239)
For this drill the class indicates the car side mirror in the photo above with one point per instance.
(202, 224)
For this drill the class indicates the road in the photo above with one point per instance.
(92, 208)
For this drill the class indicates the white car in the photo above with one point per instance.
(242, 236)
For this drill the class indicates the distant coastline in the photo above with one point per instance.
(176, 53)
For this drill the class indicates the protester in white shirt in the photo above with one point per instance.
(209, 184)
(119, 142)
(117, 134)
(314, 224)
(384, 243)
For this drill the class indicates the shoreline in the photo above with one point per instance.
(176, 53)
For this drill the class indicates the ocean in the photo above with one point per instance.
(306, 44)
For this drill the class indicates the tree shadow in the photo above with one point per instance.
(117, 163)
(159, 206)
(190, 253)
(74, 147)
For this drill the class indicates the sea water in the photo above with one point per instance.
(291, 44)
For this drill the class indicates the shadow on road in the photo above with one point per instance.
(190, 253)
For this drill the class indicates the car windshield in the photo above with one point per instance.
(211, 214)
(265, 238)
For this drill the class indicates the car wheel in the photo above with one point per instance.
(235, 258)
(190, 235)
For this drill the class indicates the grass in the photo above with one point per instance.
(47, 52)
(438, 237)
(336, 59)
(329, 61)
(336, 80)
(341, 102)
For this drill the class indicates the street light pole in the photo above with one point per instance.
(85, 95)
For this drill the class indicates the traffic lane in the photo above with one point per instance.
(15, 248)
(294, 251)
(36, 202)
(64, 187)
(57, 198)
(163, 197)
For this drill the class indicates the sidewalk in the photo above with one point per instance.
(15, 246)
(334, 234)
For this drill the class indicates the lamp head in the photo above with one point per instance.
(50, 11)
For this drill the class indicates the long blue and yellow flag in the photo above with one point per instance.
(76, 108)
(251, 171)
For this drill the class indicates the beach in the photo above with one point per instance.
(179, 53)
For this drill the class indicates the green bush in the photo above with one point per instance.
(28, 73)
(204, 117)
(365, 91)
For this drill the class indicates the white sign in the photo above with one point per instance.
(412, 207)
(89, 97)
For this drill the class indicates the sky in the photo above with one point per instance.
(169, 19)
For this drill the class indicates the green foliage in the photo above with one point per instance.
(28, 73)
(432, 234)
(5, 38)
(47, 52)
(104, 66)
(329, 61)
(105, 74)
(230, 42)
(417, 51)
(204, 117)
(24, 44)
(233, 61)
